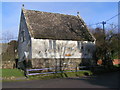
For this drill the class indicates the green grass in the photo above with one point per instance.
(7, 75)
(0, 72)
(12, 73)
(61, 75)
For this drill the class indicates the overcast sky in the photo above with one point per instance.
(91, 12)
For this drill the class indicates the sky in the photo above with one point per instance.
(91, 12)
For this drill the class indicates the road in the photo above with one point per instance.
(109, 80)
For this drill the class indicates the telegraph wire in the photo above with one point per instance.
(104, 22)
(112, 17)
(95, 24)
(115, 26)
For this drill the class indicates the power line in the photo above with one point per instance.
(115, 26)
(112, 24)
(95, 24)
(105, 21)
(112, 17)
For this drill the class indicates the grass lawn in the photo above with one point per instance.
(13, 74)
(61, 75)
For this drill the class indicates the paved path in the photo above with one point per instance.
(110, 80)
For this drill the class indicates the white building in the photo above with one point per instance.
(45, 35)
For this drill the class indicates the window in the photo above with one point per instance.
(54, 44)
(78, 45)
(23, 36)
(82, 47)
(50, 44)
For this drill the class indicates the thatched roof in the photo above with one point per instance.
(45, 25)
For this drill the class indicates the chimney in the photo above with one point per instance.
(78, 13)
(23, 6)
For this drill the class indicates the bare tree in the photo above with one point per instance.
(59, 52)
(7, 36)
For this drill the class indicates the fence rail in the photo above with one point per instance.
(28, 70)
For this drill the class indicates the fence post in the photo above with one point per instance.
(76, 68)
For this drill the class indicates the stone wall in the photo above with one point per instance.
(8, 64)
(66, 64)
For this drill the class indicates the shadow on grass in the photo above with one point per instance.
(63, 75)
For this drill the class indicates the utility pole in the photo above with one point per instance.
(119, 22)
(104, 38)
(103, 23)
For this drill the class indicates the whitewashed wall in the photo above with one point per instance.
(45, 48)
